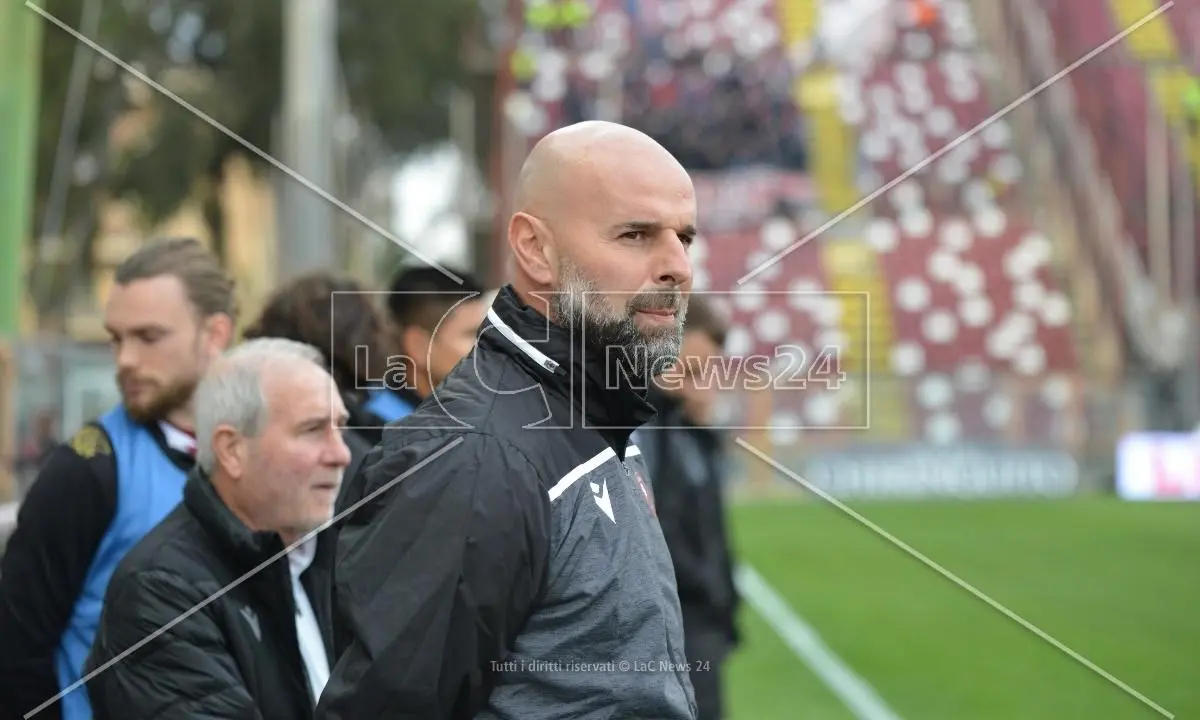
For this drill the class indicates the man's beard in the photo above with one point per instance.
(642, 354)
(163, 400)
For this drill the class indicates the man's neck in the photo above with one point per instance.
(182, 419)
(424, 388)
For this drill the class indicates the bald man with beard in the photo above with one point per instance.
(503, 558)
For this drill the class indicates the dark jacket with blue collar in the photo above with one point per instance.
(236, 655)
(502, 558)
(95, 497)
(390, 405)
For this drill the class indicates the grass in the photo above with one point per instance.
(1118, 583)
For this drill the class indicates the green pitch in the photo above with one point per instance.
(1118, 583)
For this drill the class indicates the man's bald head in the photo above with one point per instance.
(604, 217)
(567, 159)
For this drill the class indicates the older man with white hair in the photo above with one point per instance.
(231, 592)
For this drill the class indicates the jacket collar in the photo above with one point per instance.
(178, 458)
(575, 370)
(246, 548)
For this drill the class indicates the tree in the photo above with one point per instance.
(399, 59)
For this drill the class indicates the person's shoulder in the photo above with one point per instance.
(175, 547)
(414, 448)
(488, 391)
(79, 472)
(139, 591)
(416, 458)
(89, 447)
(90, 441)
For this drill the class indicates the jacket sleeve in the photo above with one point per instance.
(184, 671)
(436, 575)
(61, 522)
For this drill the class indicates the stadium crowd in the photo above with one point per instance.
(741, 117)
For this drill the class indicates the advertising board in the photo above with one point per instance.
(1159, 466)
(920, 471)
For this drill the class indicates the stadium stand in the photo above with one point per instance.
(1118, 97)
(969, 333)
(977, 303)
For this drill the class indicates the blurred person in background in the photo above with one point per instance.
(687, 458)
(1191, 105)
(337, 317)
(170, 312)
(241, 551)
(434, 322)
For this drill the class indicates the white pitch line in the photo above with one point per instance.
(795, 477)
(854, 692)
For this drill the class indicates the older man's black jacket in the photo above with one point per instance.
(236, 656)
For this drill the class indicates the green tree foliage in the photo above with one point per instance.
(398, 58)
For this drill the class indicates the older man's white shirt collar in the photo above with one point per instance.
(308, 630)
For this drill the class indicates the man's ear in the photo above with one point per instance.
(533, 253)
(414, 345)
(230, 450)
(219, 330)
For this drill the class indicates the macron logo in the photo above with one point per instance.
(252, 620)
(603, 501)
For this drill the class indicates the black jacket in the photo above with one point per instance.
(503, 554)
(60, 525)
(688, 464)
(236, 657)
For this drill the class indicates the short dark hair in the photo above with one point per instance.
(209, 288)
(331, 313)
(703, 316)
(422, 296)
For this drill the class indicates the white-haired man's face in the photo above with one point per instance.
(287, 477)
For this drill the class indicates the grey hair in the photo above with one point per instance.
(231, 392)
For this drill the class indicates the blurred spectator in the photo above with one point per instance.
(434, 324)
(739, 118)
(686, 456)
(171, 311)
(336, 316)
(924, 14)
(1191, 105)
(258, 644)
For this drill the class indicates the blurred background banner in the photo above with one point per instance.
(1159, 466)
(922, 472)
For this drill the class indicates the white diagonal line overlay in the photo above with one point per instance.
(794, 477)
(204, 603)
(854, 692)
(956, 142)
(240, 140)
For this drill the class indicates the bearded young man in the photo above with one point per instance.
(516, 569)
(170, 312)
